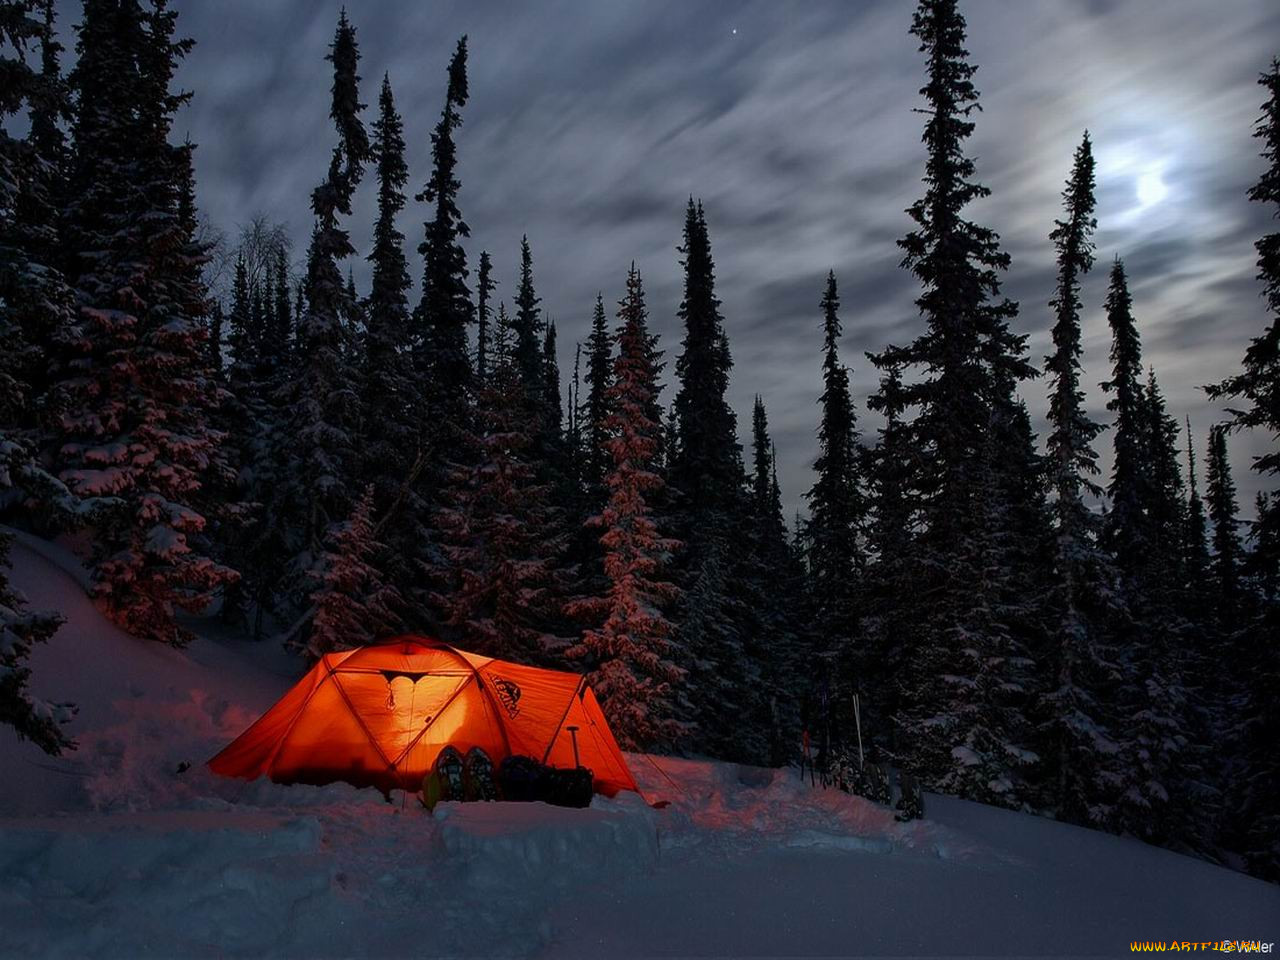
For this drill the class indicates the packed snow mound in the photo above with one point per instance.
(129, 847)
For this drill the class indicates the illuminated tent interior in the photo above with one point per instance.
(379, 715)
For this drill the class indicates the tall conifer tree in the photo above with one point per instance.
(445, 308)
(632, 671)
(707, 464)
(596, 410)
(318, 458)
(1082, 782)
(964, 723)
(836, 505)
(1224, 513)
(1125, 531)
(392, 394)
(144, 439)
(1257, 391)
(485, 285)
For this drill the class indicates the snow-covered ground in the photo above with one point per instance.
(112, 852)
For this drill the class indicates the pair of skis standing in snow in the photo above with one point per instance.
(843, 764)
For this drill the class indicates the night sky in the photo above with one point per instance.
(591, 123)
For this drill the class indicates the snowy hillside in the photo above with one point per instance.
(112, 852)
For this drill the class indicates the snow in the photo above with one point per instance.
(112, 852)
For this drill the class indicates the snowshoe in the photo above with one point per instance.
(910, 799)
(477, 776)
(449, 766)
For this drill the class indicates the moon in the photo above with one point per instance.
(1151, 189)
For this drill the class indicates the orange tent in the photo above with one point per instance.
(378, 715)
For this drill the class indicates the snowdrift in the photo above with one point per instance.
(112, 852)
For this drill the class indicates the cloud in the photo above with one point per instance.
(589, 125)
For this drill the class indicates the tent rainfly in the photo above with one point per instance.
(379, 715)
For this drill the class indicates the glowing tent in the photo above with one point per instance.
(378, 715)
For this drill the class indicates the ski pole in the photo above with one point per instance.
(857, 719)
(573, 733)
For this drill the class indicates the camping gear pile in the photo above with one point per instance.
(522, 779)
(396, 714)
(841, 762)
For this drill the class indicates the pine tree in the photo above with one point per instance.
(445, 308)
(392, 398)
(244, 339)
(596, 411)
(965, 728)
(33, 299)
(1125, 532)
(353, 604)
(1076, 724)
(1165, 504)
(32, 259)
(551, 377)
(499, 583)
(144, 439)
(706, 467)
(1257, 389)
(317, 445)
(485, 285)
(1224, 514)
(631, 670)
(42, 722)
(527, 330)
(1197, 551)
(890, 580)
(215, 343)
(281, 333)
(722, 643)
(1168, 798)
(1258, 385)
(836, 505)
(765, 499)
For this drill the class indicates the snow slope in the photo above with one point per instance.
(112, 852)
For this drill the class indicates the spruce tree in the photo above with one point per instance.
(33, 299)
(353, 605)
(35, 294)
(1197, 550)
(836, 505)
(1125, 531)
(758, 480)
(890, 580)
(964, 725)
(445, 308)
(143, 438)
(707, 464)
(723, 642)
(596, 410)
(499, 581)
(320, 399)
(551, 377)
(1168, 800)
(1256, 390)
(485, 285)
(1076, 724)
(392, 396)
(527, 332)
(40, 721)
(631, 669)
(1224, 514)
